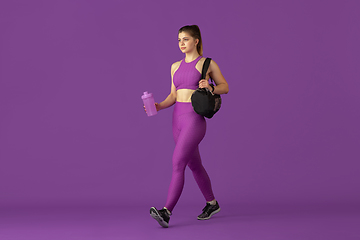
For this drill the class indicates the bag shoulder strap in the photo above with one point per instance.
(205, 68)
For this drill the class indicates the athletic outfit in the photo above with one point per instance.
(188, 130)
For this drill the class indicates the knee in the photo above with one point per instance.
(195, 167)
(179, 166)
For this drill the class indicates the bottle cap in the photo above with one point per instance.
(146, 95)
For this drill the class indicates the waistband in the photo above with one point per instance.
(183, 103)
(184, 107)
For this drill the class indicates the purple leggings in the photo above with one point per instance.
(188, 129)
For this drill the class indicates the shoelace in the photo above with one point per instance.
(165, 212)
(206, 207)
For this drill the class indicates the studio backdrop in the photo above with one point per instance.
(72, 125)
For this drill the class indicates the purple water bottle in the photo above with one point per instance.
(149, 103)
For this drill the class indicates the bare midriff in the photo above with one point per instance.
(184, 95)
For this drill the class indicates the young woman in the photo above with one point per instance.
(188, 127)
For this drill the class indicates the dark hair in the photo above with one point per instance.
(194, 31)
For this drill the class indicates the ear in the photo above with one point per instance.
(196, 41)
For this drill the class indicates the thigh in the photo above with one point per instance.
(192, 131)
(188, 123)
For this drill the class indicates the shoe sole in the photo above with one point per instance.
(214, 212)
(155, 215)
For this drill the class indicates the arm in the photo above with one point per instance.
(171, 98)
(222, 86)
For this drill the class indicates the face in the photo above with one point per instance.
(187, 43)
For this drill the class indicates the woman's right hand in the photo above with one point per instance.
(156, 105)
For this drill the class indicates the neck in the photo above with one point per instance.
(191, 56)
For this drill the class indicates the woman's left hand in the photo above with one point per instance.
(204, 84)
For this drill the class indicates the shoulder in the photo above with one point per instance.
(202, 60)
(200, 63)
(212, 62)
(175, 66)
(213, 65)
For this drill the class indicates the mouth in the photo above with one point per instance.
(182, 48)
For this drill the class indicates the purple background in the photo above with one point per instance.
(72, 126)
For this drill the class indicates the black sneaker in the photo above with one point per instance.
(208, 211)
(161, 216)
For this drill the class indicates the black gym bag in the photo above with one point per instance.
(203, 100)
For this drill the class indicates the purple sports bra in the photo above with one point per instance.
(187, 76)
